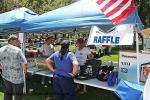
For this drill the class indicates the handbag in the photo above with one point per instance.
(104, 72)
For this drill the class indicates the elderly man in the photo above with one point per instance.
(14, 65)
(64, 65)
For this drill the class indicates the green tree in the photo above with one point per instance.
(35, 5)
(7, 5)
(42, 6)
(144, 13)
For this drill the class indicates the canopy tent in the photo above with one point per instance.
(81, 13)
(14, 18)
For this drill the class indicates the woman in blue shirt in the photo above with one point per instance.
(64, 65)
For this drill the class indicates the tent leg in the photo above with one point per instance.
(137, 53)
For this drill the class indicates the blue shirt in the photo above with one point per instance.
(64, 66)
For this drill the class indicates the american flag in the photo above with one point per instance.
(116, 10)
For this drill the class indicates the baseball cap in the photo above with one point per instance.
(12, 37)
(65, 44)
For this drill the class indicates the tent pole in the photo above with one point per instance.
(22, 38)
(137, 53)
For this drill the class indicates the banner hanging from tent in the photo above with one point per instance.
(119, 35)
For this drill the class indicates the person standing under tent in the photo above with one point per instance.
(14, 66)
(146, 94)
(64, 65)
(82, 53)
(46, 50)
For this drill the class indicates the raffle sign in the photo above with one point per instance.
(118, 35)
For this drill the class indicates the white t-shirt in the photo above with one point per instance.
(81, 55)
(47, 50)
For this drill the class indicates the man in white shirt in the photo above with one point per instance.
(14, 65)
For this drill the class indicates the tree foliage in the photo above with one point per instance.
(144, 13)
(7, 5)
(41, 6)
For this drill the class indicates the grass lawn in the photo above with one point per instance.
(112, 57)
(37, 91)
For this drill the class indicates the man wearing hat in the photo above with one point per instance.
(13, 64)
(64, 65)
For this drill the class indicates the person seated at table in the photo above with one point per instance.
(47, 49)
(82, 53)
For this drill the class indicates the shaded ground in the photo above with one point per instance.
(37, 91)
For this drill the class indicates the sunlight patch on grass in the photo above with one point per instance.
(111, 57)
(1, 95)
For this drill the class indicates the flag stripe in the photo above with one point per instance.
(108, 5)
(124, 14)
(104, 3)
(125, 7)
(116, 10)
(115, 5)
(99, 2)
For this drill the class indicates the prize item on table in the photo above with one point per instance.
(143, 71)
(91, 70)
(104, 72)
